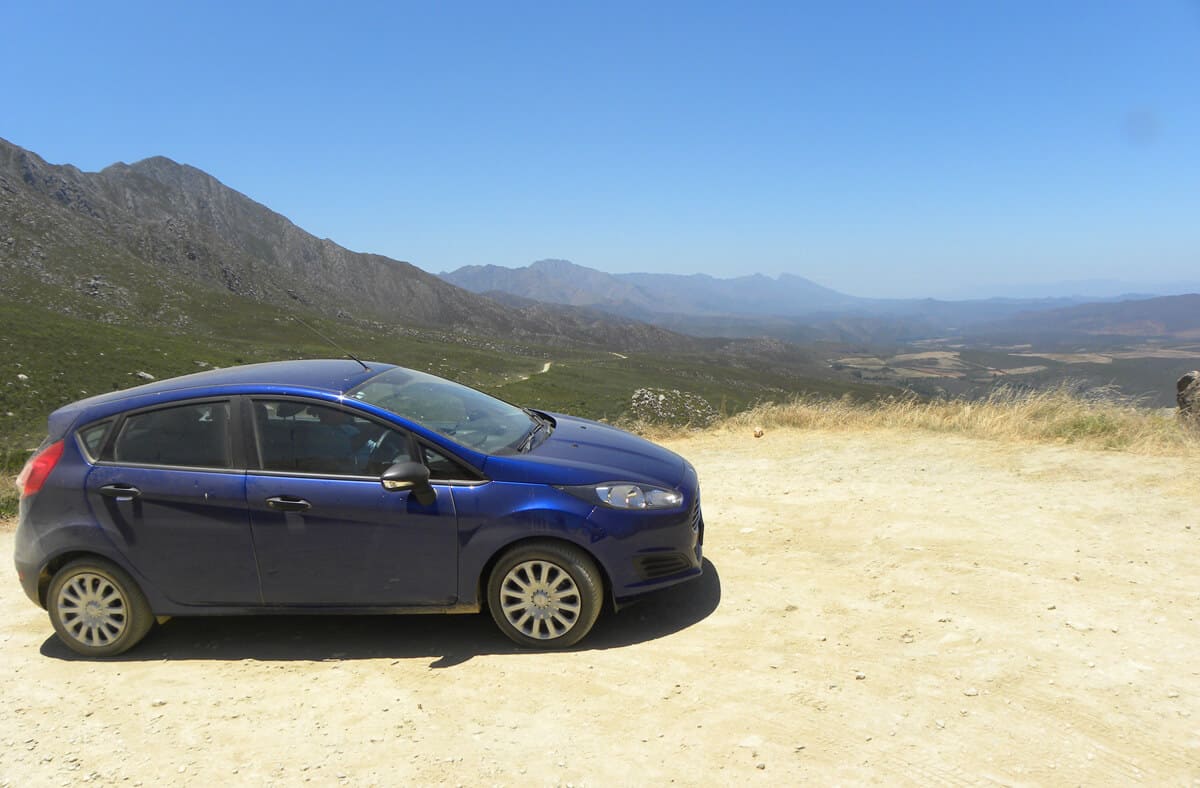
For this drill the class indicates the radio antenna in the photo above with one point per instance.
(341, 349)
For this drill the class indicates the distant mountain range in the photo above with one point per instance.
(165, 244)
(788, 307)
(1166, 317)
(1089, 289)
(563, 282)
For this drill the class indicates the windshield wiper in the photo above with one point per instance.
(527, 444)
(540, 422)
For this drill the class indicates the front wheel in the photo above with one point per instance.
(545, 595)
(96, 608)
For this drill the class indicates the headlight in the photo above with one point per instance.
(626, 495)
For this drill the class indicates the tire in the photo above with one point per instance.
(96, 608)
(545, 595)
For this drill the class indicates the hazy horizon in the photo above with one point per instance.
(1097, 288)
(933, 149)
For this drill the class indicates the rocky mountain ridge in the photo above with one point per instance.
(162, 242)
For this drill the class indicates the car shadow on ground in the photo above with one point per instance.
(452, 639)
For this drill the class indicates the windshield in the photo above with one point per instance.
(467, 416)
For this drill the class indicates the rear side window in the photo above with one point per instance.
(194, 435)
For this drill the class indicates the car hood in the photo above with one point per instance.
(579, 451)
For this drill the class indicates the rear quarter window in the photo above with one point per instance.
(92, 438)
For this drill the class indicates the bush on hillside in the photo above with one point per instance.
(671, 406)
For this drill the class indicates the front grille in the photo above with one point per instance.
(657, 565)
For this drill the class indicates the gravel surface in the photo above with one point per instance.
(877, 607)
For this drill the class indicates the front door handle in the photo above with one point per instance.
(120, 492)
(286, 503)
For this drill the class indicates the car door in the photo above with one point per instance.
(326, 532)
(170, 493)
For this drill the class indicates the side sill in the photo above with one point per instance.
(317, 610)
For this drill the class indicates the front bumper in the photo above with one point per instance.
(652, 550)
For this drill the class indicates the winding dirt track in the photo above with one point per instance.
(879, 607)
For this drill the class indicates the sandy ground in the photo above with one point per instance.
(878, 608)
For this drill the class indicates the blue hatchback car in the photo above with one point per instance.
(343, 487)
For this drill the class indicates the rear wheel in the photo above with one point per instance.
(545, 595)
(96, 608)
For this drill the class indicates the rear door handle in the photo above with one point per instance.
(286, 503)
(120, 492)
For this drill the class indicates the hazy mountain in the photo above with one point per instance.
(1089, 289)
(563, 282)
(788, 307)
(1167, 317)
(166, 244)
(704, 294)
(551, 281)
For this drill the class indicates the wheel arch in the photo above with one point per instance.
(482, 580)
(105, 612)
(51, 567)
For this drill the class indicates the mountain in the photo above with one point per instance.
(1165, 318)
(167, 244)
(787, 295)
(551, 281)
(1092, 289)
(787, 307)
(641, 295)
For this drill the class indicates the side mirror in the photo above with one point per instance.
(409, 476)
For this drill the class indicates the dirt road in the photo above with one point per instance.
(879, 607)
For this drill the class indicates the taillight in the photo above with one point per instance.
(34, 474)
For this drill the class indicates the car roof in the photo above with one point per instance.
(332, 375)
(337, 375)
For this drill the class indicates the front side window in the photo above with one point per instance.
(194, 435)
(308, 438)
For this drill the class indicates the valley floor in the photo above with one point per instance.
(880, 606)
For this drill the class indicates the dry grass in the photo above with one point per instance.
(9, 499)
(1101, 420)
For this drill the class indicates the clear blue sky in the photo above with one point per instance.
(881, 148)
